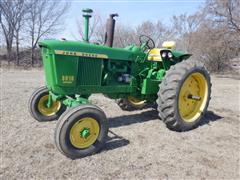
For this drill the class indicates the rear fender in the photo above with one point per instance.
(177, 56)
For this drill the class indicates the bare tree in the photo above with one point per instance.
(99, 34)
(20, 10)
(44, 18)
(96, 28)
(123, 35)
(216, 40)
(157, 31)
(11, 19)
(211, 34)
(225, 12)
(7, 21)
(184, 26)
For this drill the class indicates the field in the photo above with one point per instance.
(139, 145)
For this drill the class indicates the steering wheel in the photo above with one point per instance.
(149, 43)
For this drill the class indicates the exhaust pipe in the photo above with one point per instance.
(109, 35)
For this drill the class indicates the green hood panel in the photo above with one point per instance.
(77, 48)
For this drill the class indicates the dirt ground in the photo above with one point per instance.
(139, 145)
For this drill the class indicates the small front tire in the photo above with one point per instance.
(81, 131)
(38, 109)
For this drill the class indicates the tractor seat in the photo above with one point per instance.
(169, 44)
(154, 54)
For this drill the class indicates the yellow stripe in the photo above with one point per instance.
(83, 54)
(154, 57)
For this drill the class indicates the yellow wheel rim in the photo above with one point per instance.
(136, 102)
(48, 111)
(193, 97)
(84, 132)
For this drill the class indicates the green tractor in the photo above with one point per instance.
(136, 76)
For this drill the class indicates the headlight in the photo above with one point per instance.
(164, 54)
(170, 55)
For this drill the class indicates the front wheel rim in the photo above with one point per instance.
(84, 132)
(135, 101)
(48, 111)
(193, 97)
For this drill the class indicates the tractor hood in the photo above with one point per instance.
(77, 48)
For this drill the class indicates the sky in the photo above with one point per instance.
(130, 12)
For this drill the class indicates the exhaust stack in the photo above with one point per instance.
(109, 35)
(87, 15)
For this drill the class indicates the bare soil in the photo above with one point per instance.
(139, 144)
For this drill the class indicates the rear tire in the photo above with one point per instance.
(184, 96)
(131, 103)
(44, 114)
(70, 129)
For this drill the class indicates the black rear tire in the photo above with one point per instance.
(68, 120)
(169, 93)
(125, 105)
(131, 103)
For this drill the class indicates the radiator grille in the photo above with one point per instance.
(89, 71)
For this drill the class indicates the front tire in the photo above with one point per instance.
(81, 131)
(38, 109)
(184, 96)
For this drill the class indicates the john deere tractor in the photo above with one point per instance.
(137, 76)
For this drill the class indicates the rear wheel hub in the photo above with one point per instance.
(193, 97)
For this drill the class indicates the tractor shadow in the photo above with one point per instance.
(126, 120)
(133, 118)
(115, 141)
(209, 117)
